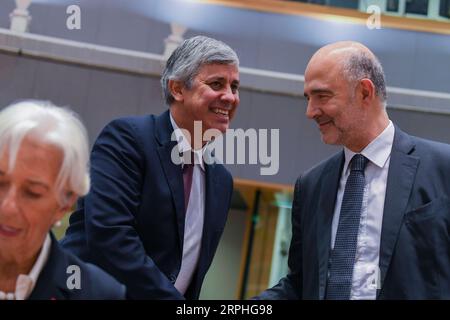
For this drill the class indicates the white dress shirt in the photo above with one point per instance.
(25, 283)
(193, 224)
(366, 271)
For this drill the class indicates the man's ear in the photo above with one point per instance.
(367, 90)
(176, 89)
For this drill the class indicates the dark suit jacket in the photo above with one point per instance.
(415, 238)
(94, 282)
(132, 221)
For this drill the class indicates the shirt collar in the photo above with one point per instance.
(184, 146)
(377, 151)
(26, 283)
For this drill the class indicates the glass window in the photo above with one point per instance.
(417, 7)
(351, 4)
(392, 6)
(444, 10)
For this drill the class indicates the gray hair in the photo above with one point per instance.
(185, 62)
(361, 65)
(56, 126)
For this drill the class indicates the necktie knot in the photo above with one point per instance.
(358, 162)
(187, 167)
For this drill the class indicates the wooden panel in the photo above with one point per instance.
(264, 234)
(261, 259)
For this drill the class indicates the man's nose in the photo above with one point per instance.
(229, 96)
(311, 110)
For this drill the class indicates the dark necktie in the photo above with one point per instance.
(342, 257)
(188, 169)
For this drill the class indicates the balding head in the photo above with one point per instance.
(346, 92)
(342, 49)
(354, 61)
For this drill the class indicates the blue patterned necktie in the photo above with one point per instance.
(342, 257)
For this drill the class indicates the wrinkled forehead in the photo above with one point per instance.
(228, 72)
(322, 72)
(212, 67)
(324, 63)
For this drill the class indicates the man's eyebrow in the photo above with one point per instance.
(321, 91)
(219, 78)
(215, 78)
(317, 91)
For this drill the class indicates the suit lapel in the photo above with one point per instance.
(212, 196)
(51, 283)
(172, 171)
(326, 203)
(402, 172)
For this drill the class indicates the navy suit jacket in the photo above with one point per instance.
(415, 237)
(52, 283)
(132, 222)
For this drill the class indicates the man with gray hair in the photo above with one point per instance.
(373, 221)
(153, 220)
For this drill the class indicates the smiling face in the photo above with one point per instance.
(212, 98)
(331, 101)
(28, 199)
